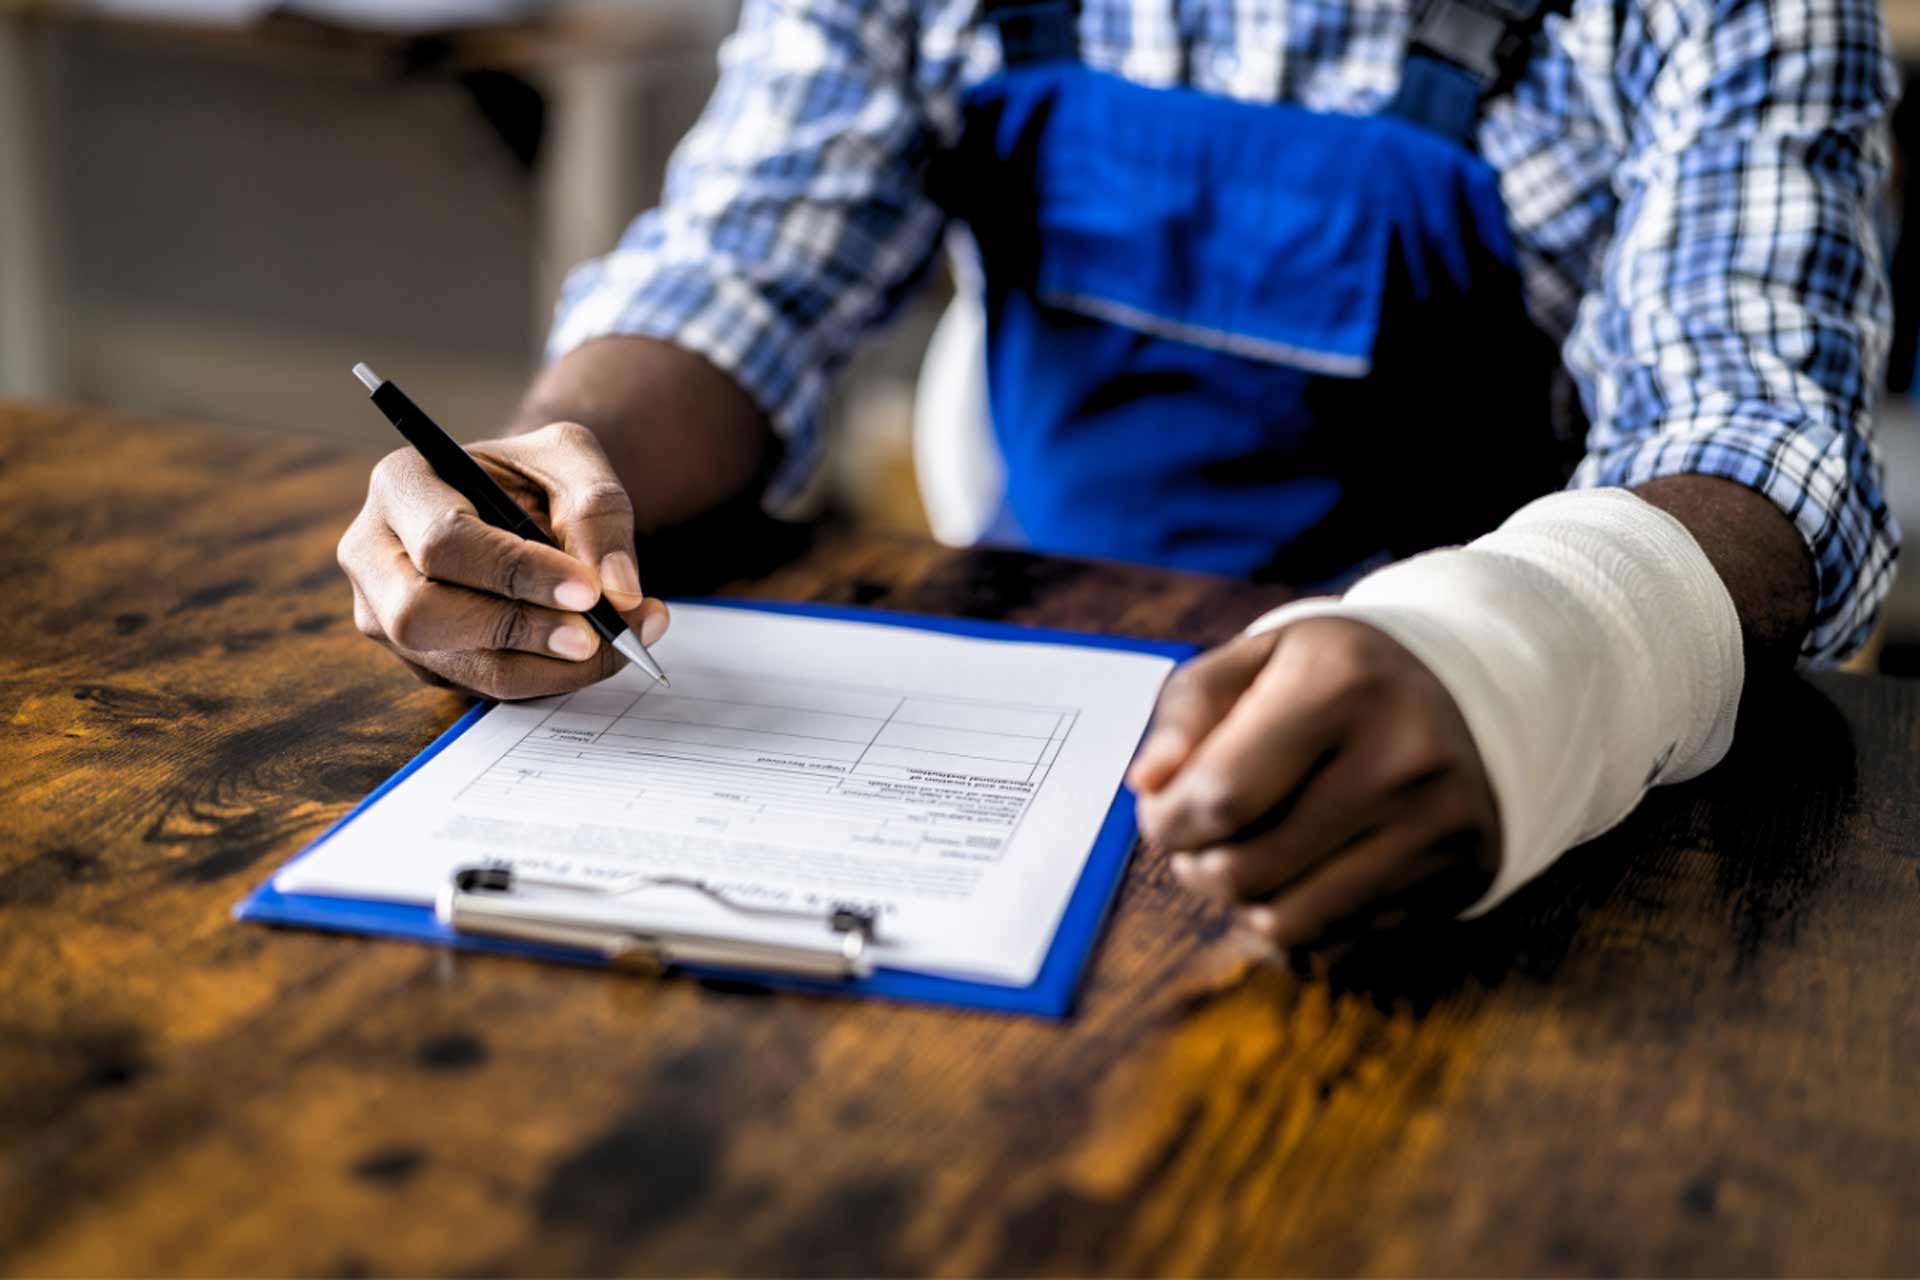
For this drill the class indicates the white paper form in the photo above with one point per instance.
(955, 785)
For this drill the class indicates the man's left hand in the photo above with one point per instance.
(1320, 778)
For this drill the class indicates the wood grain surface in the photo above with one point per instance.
(1691, 1048)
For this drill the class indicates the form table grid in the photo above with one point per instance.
(728, 753)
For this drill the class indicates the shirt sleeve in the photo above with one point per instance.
(1742, 326)
(794, 216)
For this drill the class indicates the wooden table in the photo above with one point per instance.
(1693, 1047)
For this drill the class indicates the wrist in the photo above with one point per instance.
(683, 437)
(1589, 646)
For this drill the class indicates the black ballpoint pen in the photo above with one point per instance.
(470, 480)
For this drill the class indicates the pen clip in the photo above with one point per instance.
(482, 900)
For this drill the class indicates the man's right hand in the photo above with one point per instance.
(466, 604)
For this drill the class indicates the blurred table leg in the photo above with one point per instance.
(582, 199)
(29, 322)
(612, 122)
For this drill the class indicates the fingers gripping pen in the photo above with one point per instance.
(470, 480)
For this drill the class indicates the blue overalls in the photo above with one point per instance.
(1245, 338)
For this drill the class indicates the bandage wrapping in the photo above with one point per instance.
(1591, 648)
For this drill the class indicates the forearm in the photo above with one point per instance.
(1591, 646)
(794, 219)
(1762, 370)
(683, 437)
(1588, 649)
(1758, 554)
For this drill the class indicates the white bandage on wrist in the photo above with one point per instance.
(1591, 648)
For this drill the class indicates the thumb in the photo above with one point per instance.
(591, 514)
(1197, 697)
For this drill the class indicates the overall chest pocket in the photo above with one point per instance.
(1257, 304)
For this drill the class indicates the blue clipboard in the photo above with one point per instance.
(1050, 995)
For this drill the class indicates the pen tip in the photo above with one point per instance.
(628, 646)
(368, 377)
(664, 682)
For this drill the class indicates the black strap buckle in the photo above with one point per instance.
(1483, 37)
(1035, 30)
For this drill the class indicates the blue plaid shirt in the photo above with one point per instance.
(1692, 186)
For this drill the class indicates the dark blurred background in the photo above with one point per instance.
(210, 209)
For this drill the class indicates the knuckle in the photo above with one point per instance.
(1421, 750)
(1337, 666)
(439, 543)
(406, 622)
(602, 498)
(1342, 662)
(512, 628)
(1213, 802)
(350, 550)
(1265, 923)
(1223, 873)
(388, 471)
(514, 575)
(568, 434)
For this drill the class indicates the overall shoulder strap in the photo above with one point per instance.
(1033, 31)
(1460, 53)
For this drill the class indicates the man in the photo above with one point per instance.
(1282, 288)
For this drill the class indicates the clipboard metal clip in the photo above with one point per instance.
(484, 900)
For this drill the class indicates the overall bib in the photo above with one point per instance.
(1243, 338)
